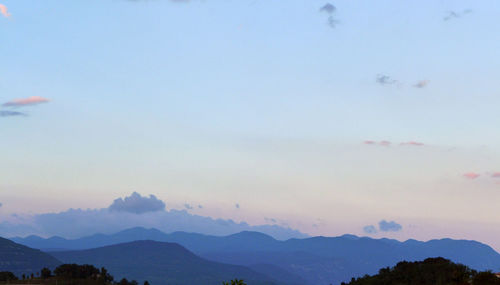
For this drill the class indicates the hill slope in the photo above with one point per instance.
(20, 259)
(160, 263)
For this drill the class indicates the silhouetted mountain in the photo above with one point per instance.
(161, 263)
(20, 259)
(318, 260)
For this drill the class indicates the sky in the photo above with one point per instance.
(374, 118)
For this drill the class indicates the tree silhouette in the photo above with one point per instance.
(45, 273)
(234, 282)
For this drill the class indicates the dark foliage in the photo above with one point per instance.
(234, 282)
(45, 273)
(432, 271)
(124, 281)
(7, 276)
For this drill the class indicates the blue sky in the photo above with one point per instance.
(259, 103)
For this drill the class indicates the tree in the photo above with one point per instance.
(75, 271)
(105, 277)
(146, 282)
(45, 273)
(7, 276)
(234, 282)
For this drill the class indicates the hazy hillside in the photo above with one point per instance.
(20, 259)
(161, 263)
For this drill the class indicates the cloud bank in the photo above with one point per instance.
(75, 223)
(137, 204)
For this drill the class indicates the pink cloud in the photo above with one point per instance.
(471, 175)
(495, 175)
(34, 100)
(369, 142)
(421, 84)
(4, 11)
(413, 143)
(385, 143)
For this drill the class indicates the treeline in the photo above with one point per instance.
(68, 274)
(432, 271)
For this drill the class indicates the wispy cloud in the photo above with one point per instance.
(11, 114)
(237, 206)
(188, 207)
(413, 143)
(4, 11)
(455, 15)
(421, 84)
(383, 79)
(371, 229)
(34, 100)
(388, 143)
(471, 175)
(330, 9)
(385, 143)
(495, 175)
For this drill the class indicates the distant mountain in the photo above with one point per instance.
(161, 263)
(317, 260)
(20, 259)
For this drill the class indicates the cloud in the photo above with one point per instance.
(34, 100)
(200, 206)
(188, 207)
(1, 205)
(391, 226)
(421, 84)
(471, 175)
(383, 79)
(495, 175)
(270, 220)
(11, 114)
(385, 143)
(4, 11)
(237, 206)
(413, 143)
(370, 229)
(455, 15)
(137, 204)
(330, 9)
(388, 143)
(75, 223)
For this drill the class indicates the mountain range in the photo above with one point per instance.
(316, 260)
